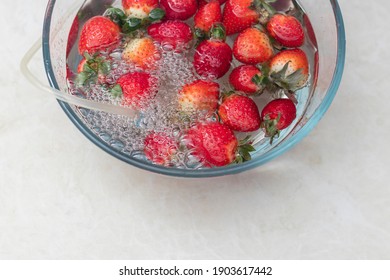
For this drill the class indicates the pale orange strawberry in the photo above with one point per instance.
(199, 96)
(139, 8)
(141, 52)
(290, 69)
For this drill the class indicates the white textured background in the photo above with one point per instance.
(328, 198)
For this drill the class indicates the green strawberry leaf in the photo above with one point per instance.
(131, 24)
(156, 14)
(217, 32)
(116, 91)
(116, 15)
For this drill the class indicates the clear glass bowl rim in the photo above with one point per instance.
(212, 172)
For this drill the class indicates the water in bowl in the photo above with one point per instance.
(174, 70)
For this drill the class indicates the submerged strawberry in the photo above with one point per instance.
(289, 69)
(240, 113)
(137, 89)
(252, 46)
(179, 9)
(139, 8)
(199, 96)
(160, 148)
(246, 78)
(213, 57)
(276, 116)
(98, 34)
(215, 144)
(286, 30)
(208, 15)
(141, 52)
(174, 33)
(92, 69)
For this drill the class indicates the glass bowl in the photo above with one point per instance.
(327, 32)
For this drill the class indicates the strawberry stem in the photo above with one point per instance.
(270, 127)
(217, 32)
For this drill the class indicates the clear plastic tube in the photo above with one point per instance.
(63, 96)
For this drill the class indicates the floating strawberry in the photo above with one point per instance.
(207, 15)
(241, 14)
(137, 89)
(204, 2)
(252, 46)
(171, 33)
(160, 148)
(289, 69)
(139, 8)
(98, 34)
(240, 113)
(179, 9)
(199, 96)
(286, 30)
(215, 144)
(247, 78)
(213, 57)
(276, 116)
(141, 52)
(92, 69)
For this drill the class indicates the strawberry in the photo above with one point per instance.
(141, 52)
(276, 116)
(139, 8)
(204, 2)
(239, 113)
(199, 95)
(247, 79)
(213, 57)
(237, 16)
(241, 14)
(289, 69)
(174, 33)
(179, 9)
(98, 34)
(286, 30)
(252, 46)
(160, 148)
(137, 89)
(207, 16)
(91, 69)
(215, 144)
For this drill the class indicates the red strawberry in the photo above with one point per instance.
(246, 78)
(213, 57)
(241, 14)
(137, 89)
(141, 52)
(240, 113)
(179, 9)
(204, 2)
(215, 144)
(98, 34)
(286, 30)
(289, 69)
(277, 115)
(173, 33)
(139, 8)
(160, 148)
(252, 46)
(237, 16)
(199, 95)
(208, 15)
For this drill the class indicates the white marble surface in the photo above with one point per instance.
(328, 198)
